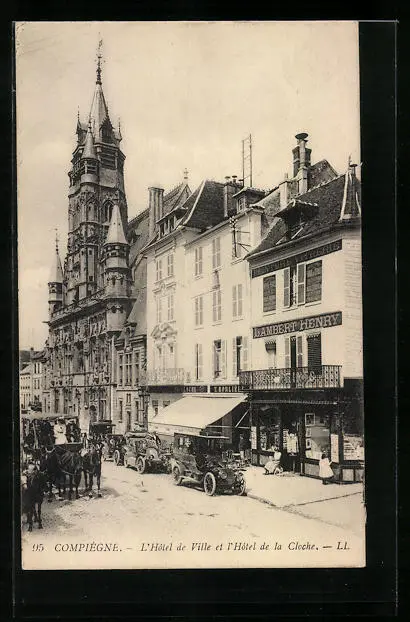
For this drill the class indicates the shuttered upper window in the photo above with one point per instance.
(314, 281)
(269, 293)
(314, 353)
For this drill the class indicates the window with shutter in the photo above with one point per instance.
(269, 293)
(216, 253)
(234, 358)
(170, 307)
(216, 305)
(216, 353)
(314, 353)
(240, 300)
(170, 265)
(287, 352)
(223, 358)
(299, 351)
(244, 365)
(286, 287)
(234, 302)
(198, 261)
(314, 281)
(301, 284)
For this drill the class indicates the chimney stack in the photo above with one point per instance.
(301, 154)
(230, 188)
(156, 200)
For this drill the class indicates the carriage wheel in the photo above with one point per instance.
(240, 487)
(141, 464)
(209, 484)
(117, 457)
(176, 475)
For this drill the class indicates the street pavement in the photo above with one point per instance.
(145, 521)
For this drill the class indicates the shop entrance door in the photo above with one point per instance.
(293, 359)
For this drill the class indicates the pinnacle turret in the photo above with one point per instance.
(89, 149)
(56, 272)
(116, 233)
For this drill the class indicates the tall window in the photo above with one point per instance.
(314, 281)
(270, 347)
(314, 353)
(120, 369)
(198, 361)
(198, 261)
(293, 352)
(216, 253)
(269, 293)
(159, 269)
(219, 358)
(237, 303)
(128, 368)
(216, 305)
(136, 368)
(170, 307)
(120, 410)
(170, 264)
(199, 311)
(159, 309)
(239, 355)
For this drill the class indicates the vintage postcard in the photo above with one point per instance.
(190, 295)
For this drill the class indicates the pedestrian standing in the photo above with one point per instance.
(325, 470)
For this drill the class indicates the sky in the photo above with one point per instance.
(186, 95)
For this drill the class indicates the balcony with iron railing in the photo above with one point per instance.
(321, 377)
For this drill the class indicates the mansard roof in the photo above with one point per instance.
(205, 207)
(328, 199)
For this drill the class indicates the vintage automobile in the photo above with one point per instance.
(112, 447)
(99, 429)
(143, 451)
(200, 458)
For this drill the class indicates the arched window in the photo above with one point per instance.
(107, 212)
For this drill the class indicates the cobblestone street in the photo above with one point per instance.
(145, 520)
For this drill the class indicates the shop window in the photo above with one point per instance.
(353, 442)
(317, 435)
(269, 432)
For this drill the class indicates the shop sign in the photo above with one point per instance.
(253, 437)
(224, 388)
(334, 448)
(326, 249)
(192, 388)
(325, 320)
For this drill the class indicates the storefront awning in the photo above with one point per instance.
(193, 413)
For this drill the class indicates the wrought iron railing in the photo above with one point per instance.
(323, 377)
(171, 375)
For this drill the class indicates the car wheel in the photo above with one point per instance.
(141, 464)
(117, 457)
(209, 483)
(176, 475)
(240, 487)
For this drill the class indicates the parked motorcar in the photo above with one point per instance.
(143, 451)
(112, 447)
(201, 458)
(99, 429)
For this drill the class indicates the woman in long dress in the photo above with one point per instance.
(325, 470)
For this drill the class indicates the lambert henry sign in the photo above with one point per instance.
(325, 320)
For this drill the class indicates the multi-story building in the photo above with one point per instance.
(31, 381)
(198, 309)
(304, 382)
(130, 410)
(90, 299)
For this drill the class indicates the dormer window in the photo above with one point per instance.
(242, 203)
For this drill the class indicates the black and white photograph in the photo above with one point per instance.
(190, 295)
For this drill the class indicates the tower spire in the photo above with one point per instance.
(99, 57)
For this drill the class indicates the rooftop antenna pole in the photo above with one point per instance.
(247, 160)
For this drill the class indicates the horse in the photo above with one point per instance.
(34, 485)
(92, 467)
(60, 463)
